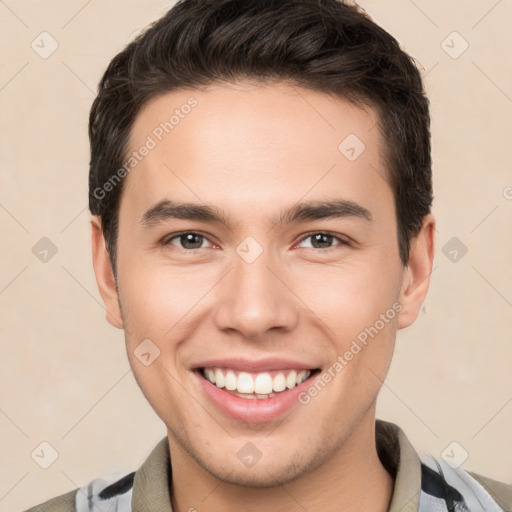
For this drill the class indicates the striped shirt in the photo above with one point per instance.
(422, 484)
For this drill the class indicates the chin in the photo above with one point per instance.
(273, 470)
(261, 477)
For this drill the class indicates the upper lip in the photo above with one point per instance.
(255, 366)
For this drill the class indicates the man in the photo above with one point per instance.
(260, 185)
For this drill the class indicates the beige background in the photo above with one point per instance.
(65, 378)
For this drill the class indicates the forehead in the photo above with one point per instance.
(242, 142)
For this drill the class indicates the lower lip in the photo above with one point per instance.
(253, 410)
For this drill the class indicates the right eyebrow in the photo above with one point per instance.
(166, 209)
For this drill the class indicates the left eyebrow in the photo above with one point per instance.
(306, 211)
(309, 211)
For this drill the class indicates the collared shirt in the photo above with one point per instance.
(421, 484)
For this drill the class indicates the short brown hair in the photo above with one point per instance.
(324, 45)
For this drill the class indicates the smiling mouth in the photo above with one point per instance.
(256, 386)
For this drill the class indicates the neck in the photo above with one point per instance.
(345, 478)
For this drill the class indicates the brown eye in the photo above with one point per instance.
(321, 241)
(187, 241)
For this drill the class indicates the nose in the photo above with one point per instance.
(255, 299)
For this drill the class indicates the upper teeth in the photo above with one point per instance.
(259, 383)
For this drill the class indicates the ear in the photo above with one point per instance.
(105, 275)
(416, 276)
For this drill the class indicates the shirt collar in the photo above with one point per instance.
(151, 487)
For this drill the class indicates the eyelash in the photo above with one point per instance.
(342, 242)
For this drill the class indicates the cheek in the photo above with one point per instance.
(156, 298)
(350, 297)
(358, 306)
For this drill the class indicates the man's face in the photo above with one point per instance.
(268, 293)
